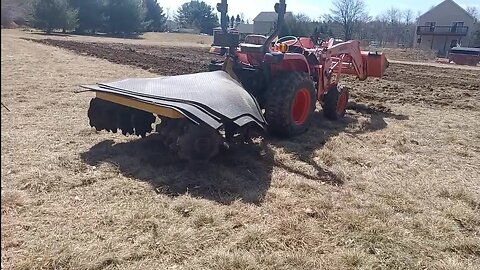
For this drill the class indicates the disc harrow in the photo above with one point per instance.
(109, 116)
(190, 141)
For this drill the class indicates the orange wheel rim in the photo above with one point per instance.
(301, 106)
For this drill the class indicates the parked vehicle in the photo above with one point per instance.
(464, 56)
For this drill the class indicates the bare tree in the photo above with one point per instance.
(475, 33)
(394, 15)
(348, 13)
(393, 27)
(474, 12)
(408, 17)
(418, 15)
(15, 10)
(299, 25)
(362, 30)
(409, 27)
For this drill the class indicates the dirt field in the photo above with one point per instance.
(395, 185)
(402, 84)
(161, 60)
(408, 54)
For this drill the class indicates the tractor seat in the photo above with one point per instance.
(253, 44)
(256, 39)
(251, 48)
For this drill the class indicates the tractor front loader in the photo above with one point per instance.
(264, 83)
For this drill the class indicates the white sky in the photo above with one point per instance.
(250, 8)
(314, 8)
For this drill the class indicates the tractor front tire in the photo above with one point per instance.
(290, 104)
(335, 103)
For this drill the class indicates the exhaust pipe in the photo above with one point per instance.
(222, 7)
(280, 9)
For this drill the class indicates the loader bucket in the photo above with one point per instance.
(375, 62)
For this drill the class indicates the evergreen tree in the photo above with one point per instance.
(155, 18)
(90, 14)
(125, 16)
(54, 14)
(238, 20)
(197, 14)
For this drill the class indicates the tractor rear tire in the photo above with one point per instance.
(335, 103)
(290, 104)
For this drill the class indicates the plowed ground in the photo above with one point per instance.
(402, 84)
(167, 61)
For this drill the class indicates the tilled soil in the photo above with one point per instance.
(423, 85)
(407, 54)
(167, 61)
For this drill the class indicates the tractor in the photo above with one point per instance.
(264, 83)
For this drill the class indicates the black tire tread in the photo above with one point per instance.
(279, 97)
(330, 102)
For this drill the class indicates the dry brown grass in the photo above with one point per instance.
(398, 190)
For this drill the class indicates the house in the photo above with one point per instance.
(443, 27)
(264, 22)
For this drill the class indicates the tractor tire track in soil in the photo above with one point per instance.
(429, 86)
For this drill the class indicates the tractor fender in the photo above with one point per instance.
(291, 62)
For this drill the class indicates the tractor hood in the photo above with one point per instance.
(211, 98)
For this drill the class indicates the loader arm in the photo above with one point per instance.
(347, 58)
(345, 55)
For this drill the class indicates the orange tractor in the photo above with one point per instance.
(265, 83)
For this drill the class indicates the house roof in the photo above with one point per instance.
(267, 16)
(446, 2)
(245, 28)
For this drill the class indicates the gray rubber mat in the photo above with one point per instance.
(215, 90)
(210, 97)
(189, 111)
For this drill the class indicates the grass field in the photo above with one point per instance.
(395, 185)
(165, 39)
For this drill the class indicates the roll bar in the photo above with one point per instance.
(280, 9)
(222, 7)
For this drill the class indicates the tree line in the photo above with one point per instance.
(393, 26)
(86, 16)
(107, 16)
(348, 19)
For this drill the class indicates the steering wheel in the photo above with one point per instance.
(287, 38)
(293, 45)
